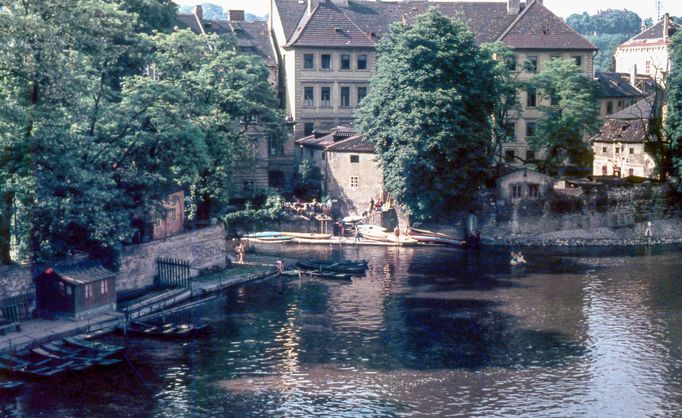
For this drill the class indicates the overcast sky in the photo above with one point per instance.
(563, 8)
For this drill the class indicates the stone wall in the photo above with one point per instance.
(203, 248)
(15, 280)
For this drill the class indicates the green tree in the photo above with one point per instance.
(429, 113)
(307, 179)
(674, 117)
(570, 116)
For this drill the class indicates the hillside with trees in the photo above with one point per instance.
(606, 30)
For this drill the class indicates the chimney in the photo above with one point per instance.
(633, 75)
(666, 26)
(198, 12)
(513, 7)
(235, 15)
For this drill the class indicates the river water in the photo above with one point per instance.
(427, 332)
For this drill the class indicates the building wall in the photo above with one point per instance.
(172, 223)
(651, 59)
(523, 180)
(203, 248)
(354, 199)
(16, 280)
(529, 115)
(616, 105)
(630, 159)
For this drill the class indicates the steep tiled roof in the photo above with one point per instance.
(322, 138)
(252, 37)
(369, 20)
(616, 85)
(538, 28)
(643, 109)
(618, 130)
(656, 31)
(355, 143)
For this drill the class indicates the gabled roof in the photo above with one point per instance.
(619, 130)
(322, 138)
(643, 109)
(356, 143)
(538, 28)
(654, 34)
(363, 22)
(616, 85)
(252, 37)
(82, 273)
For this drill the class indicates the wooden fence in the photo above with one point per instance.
(172, 273)
(16, 308)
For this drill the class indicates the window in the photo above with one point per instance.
(530, 155)
(275, 147)
(326, 62)
(530, 129)
(510, 62)
(604, 170)
(362, 61)
(69, 290)
(533, 191)
(308, 61)
(345, 97)
(174, 208)
(354, 158)
(632, 151)
(104, 287)
(88, 291)
(532, 98)
(510, 130)
(554, 100)
(354, 182)
(308, 128)
(516, 191)
(308, 96)
(362, 93)
(631, 172)
(345, 61)
(617, 150)
(578, 60)
(325, 97)
(509, 156)
(603, 150)
(609, 108)
(647, 67)
(532, 63)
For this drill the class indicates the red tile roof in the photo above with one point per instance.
(362, 22)
(355, 143)
(618, 130)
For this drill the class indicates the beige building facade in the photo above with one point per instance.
(327, 53)
(648, 52)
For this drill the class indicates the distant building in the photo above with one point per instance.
(348, 165)
(649, 51)
(618, 91)
(523, 185)
(272, 159)
(76, 291)
(172, 221)
(327, 53)
(621, 148)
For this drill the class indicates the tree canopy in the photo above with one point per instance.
(571, 114)
(87, 142)
(428, 113)
(674, 117)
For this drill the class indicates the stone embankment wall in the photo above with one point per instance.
(592, 214)
(15, 280)
(203, 248)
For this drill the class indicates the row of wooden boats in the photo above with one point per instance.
(56, 358)
(332, 270)
(274, 236)
(166, 330)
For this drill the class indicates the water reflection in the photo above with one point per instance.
(425, 332)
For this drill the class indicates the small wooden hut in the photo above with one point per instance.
(76, 291)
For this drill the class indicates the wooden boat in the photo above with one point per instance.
(426, 232)
(277, 238)
(330, 266)
(105, 350)
(166, 331)
(389, 237)
(326, 275)
(265, 234)
(307, 235)
(432, 239)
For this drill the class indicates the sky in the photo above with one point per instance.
(563, 8)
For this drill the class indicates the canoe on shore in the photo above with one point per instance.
(432, 239)
(357, 267)
(307, 235)
(326, 275)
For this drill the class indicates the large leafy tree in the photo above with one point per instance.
(674, 116)
(429, 113)
(567, 119)
(87, 142)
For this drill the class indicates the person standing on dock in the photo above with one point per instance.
(357, 234)
(396, 231)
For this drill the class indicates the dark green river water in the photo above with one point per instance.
(426, 332)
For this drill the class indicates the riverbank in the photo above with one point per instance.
(661, 232)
